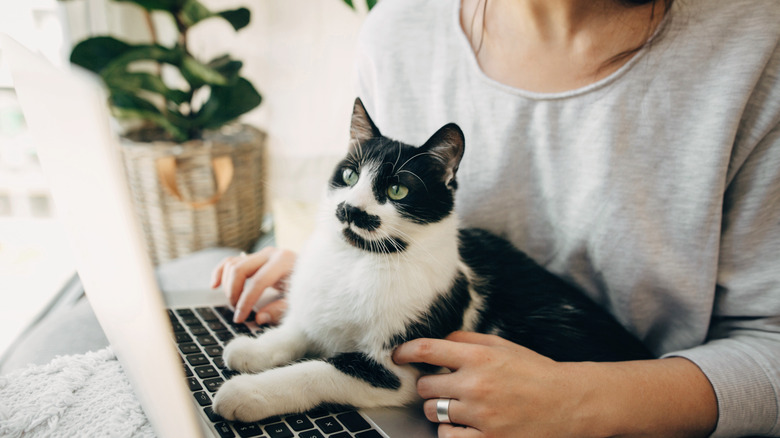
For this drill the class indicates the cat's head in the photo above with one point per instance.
(384, 192)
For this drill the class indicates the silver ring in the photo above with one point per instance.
(443, 410)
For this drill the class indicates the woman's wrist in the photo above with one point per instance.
(663, 397)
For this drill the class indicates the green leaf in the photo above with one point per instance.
(199, 74)
(143, 52)
(132, 82)
(96, 53)
(158, 5)
(371, 4)
(130, 107)
(193, 11)
(227, 103)
(238, 18)
(227, 67)
(349, 3)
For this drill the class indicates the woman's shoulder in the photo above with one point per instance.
(730, 20)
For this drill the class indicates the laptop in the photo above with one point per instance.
(168, 344)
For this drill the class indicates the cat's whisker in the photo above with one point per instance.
(416, 176)
(421, 154)
(398, 157)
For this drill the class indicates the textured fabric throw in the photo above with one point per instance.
(73, 396)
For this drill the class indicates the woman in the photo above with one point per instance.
(632, 148)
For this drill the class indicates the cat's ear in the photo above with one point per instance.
(362, 127)
(447, 145)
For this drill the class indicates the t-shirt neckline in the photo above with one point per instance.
(465, 46)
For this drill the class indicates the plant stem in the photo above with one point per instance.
(153, 35)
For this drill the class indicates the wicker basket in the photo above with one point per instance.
(198, 194)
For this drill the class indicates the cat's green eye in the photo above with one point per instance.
(349, 176)
(397, 192)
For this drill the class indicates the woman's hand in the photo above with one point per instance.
(500, 389)
(497, 388)
(246, 277)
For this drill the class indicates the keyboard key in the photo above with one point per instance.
(337, 409)
(314, 433)
(213, 350)
(369, 434)
(182, 338)
(193, 384)
(202, 398)
(206, 340)
(224, 336)
(340, 435)
(241, 329)
(225, 312)
(213, 416)
(328, 425)
(177, 328)
(317, 412)
(216, 326)
(228, 373)
(278, 430)
(224, 430)
(353, 421)
(247, 430)
(197, 359)
(298, 422)
(189, 348)
(213, 384)
(191, 321)
(198, 330)
(270, 420)
(207, 314)
(220, 363)
(206, 372)
(187, 371)
(185, 313)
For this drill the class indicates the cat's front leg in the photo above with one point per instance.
(349, 379)
(275, 347)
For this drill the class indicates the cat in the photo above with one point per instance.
(388, 263)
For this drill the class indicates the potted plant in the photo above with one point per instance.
(196, 175)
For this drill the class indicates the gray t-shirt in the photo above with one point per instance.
(656, 190)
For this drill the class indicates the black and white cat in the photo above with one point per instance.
(388, 263)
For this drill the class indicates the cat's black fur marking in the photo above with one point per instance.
(357, 364)
(350, 214)
(387, 245)
(529, 306)
(443, 317)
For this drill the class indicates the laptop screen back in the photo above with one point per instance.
(67, 115)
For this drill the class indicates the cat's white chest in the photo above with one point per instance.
(346, 299)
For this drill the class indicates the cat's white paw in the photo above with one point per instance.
(241, 399)
(249, 355)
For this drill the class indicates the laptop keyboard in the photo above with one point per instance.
(201, 334)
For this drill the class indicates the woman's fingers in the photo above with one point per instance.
(456, 431)
(276, 266)
(457, 411)
(481, 339)
(439, 352)
(272, 312)
(216, 274)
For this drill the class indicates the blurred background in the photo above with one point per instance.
(299, 54)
